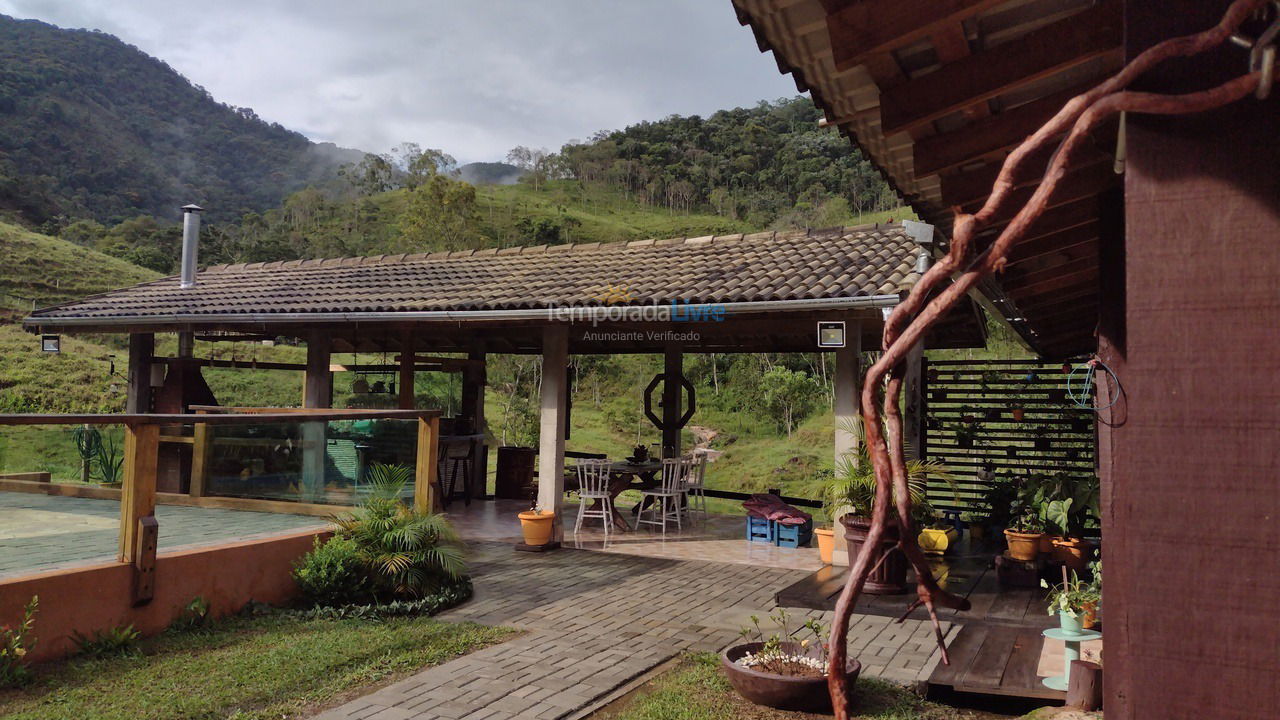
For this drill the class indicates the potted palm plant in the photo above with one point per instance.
(851, 496)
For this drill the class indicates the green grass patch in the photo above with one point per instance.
(268, 667)
(696, 689)
(49, 270)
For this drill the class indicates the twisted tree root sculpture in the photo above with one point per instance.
(909, 322)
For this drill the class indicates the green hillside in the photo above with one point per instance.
(47, 270)
(93, 127)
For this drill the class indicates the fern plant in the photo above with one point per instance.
(853, 487)
(408, 553)
(120, 640)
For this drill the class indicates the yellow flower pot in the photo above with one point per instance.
(935, 541)
(537, 526)
(826, 543)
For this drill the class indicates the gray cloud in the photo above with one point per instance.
(474, 77)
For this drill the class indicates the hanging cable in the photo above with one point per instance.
(1081, 396)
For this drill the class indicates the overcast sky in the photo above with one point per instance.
(474, 77)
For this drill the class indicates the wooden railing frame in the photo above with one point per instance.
(138, 527)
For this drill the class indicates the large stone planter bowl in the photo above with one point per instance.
(891, 577)
(780, 691)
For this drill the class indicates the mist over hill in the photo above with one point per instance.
(93, 127)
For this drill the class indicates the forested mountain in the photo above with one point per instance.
(93, 127)
(761, 164)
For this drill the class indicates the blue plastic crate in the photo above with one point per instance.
(760, 530)
(793, 536)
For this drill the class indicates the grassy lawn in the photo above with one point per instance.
(697, 690)
(271, 666)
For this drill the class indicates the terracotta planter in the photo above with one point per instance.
(1023, 546)
(537, 526)
(1046, 543)
(1089, 616)
(891, 577)
(1072, 552)
(781, 691)
(826, 543)
(1018, 414)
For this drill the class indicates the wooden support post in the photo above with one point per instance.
(474, 378)
(317, 393)
(555, 360)
(425, 481)
(847, 410)
(913, 400)
(673, 370)
(407, 390)
(201, 454)
(138, 495)
(141, 349)
(1084, 689)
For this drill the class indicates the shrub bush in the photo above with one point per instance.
(14, 644)
(333, 574)
(384, 551)
(120, 640)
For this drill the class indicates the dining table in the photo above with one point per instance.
(631, 475)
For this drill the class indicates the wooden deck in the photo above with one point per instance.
(998, 648)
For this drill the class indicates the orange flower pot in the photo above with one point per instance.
(826, 543)
(537, 526)
(1089, 616)
(1073, 552)
(1023, 546)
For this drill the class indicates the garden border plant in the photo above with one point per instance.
(386, 557)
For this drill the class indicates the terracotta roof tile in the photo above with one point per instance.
(871, 260)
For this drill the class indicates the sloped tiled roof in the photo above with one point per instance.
(838, 263)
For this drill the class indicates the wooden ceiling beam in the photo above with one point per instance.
(989, 136)
(871, 27)
(979, 77)
(1046, 245)
(1063, 300)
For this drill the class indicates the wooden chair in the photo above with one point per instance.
(663, 503)
(593, 489)
(695, 485)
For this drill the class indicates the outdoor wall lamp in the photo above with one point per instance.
(830, 333)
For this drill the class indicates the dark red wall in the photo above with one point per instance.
(1192, 470)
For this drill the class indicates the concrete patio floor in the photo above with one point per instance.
(48, 532)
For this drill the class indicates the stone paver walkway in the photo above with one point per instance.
(45, 532)
(595, 621)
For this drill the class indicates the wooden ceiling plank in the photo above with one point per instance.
(986, 137)
(972, 186)
(871, 27)
(1081, 184)
(1056, 283)
(979, 77)
(1055, 256)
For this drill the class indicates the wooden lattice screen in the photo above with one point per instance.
(971, 425)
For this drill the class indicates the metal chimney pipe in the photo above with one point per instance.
(190, 243)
